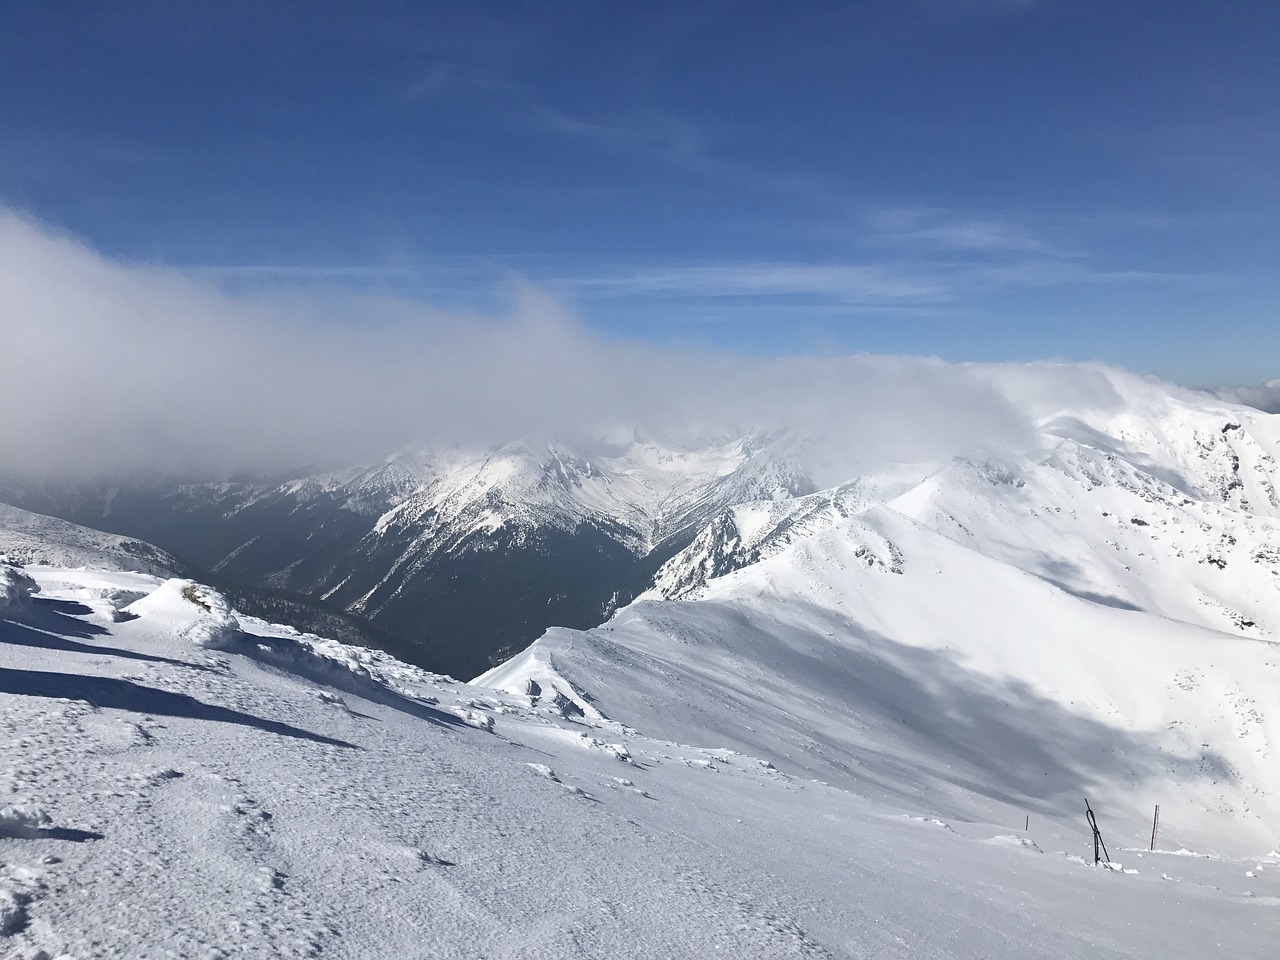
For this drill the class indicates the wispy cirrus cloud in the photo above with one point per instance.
(853, 283)
(901, 283)
(945, 229)
(648, 133)
(438, 80)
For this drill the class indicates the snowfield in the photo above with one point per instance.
(286, 797)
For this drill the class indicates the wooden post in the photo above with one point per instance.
(1155, 825)
(1027, 825)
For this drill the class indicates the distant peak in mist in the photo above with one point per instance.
(1266, 396)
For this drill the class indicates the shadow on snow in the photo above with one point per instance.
(37, 632)
(877, 715)
(290, 657)
(126, 695)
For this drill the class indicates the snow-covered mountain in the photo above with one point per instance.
(855, 721)
(462, 554)
(466, 555)
(1097, 614)
(32, 538)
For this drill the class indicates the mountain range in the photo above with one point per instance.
(458, 558)
(461, 556)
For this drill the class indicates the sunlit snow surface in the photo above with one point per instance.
(1096, 617)
(291, 797)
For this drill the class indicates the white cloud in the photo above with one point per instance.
(852, 283)
(944, 229)
(108, 367)
(1265, 396)
(650, 134)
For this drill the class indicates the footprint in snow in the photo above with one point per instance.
(542, 770)
(622, 783)
(431, 860)
(272, 880)
(252, 819)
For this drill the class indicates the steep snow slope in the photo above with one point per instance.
(33, 538)
(276, 795)
(1168, 505)
(1092, 614)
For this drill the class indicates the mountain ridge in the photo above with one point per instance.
(465, 555)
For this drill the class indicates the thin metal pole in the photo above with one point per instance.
(1155, 825)
(1097, 835)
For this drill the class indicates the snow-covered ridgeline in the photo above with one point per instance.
(1106, 601)
(962, 651)
(34, 538)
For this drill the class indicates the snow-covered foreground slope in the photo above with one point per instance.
(188, 783)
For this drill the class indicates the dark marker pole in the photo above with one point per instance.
(1098, 842)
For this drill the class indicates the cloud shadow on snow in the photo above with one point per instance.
(901, 719)
(126, 695)
(1066, 576)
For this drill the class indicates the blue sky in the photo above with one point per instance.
(974, 179)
